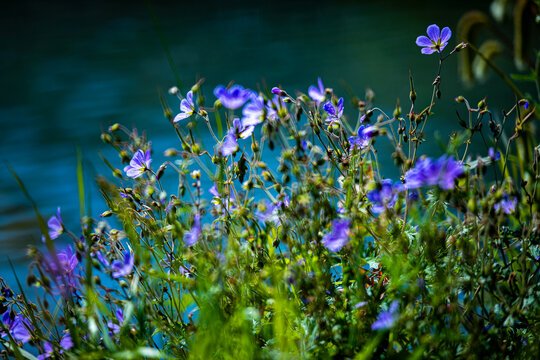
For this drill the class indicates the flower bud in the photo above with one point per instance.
(107, 213)
(114, 127)
(174, 90)
(460, 46)
(460, 99)
(160, 171)
(196, 148)
(171, 152)
(196, 174)
(106, 138)
(117, 173)
(278, 92)
(203, 113)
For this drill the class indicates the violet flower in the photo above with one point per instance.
(48, 348)
(229, 145)
(232, 98)
(187, 107)
(115, 328)
(506, 205)
(66, 342)
(138, 164)
(56, 226)
(386, 319)
(254, 112)
(317, 94)
(273, 106)
(339, 236)
(436, 41)
(362, 137)
(123, 267)
(383, 198)
(18, 327)
(334, 112)
(62, 270)
(242, 130)
(429, 172)
(495, 156)
(192, 236)
(277, 91)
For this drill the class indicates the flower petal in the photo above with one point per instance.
(427, 51)
(423, 41)
(446, 34)
(181, 116)
(433, 32)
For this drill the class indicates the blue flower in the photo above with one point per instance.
(48, 351)
(229, 145)
(187, 107)
(362, 137)
(232, 98)
(192, 236)
(495, 156)
(66, 342)
(334, 112)
(383, 198)
(277, 91)
(61, 267)
(428, 172)
(123, 267)
(115, 328)
(254, 111)
(138, 164)
(18, 327)
(436, 41)
(339, 236)
(386, 319)
(317, 94)
(506, 205)
(56, 226)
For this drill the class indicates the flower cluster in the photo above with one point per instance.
(428, 172)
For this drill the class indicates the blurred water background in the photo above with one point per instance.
(69, 69)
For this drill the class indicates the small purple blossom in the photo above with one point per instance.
(277, 91)
(192, 236)
(241, 130)
(495, 156)
(56, 226)
(232, 98)
(18, 327)
(334, 112)
(48, 351)
(360, 304)
(526, 105)
(383, 197)
(339, 236)
(66, 342)
(435, 41)
(254, 111)
(507, 205)
(429, 172)
(362, 137)
(273, 106)
(386, 319)
(318, 94)
(114, 327)
(123, 267)
(62, 268)
(229, 145)
(138, 164)
(187, 107)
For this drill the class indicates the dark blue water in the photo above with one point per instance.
(69, 70)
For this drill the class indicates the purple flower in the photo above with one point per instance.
(334, 112)
(506, 205)
(386, 319)
(436, 41)
(187, 107)
(115, 328)
(526, 105)
(62, 268)
(427, 172)
(383, 198)
(18, 327)
(273, 106)
(254, 111)
(317, 94)
(277, 91)
(241, 130)
(56, 226)
(360, 304)
(66, 342)
(192, 236)
(363, 135)
(123, 267)
(229, 145)
(339, 236)
(138, 164)
(232, 98)
(48, 348)
(495, 156)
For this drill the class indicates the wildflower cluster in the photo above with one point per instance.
(280, 230)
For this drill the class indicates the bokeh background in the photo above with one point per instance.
(69, 69)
